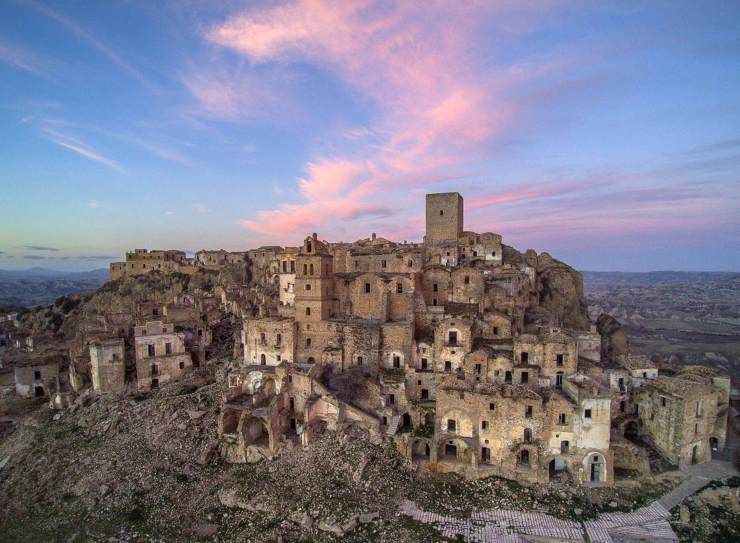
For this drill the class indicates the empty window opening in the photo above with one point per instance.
(587, 413)
(528, 411)
(451, 425)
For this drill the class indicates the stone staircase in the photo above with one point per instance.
(393, 426)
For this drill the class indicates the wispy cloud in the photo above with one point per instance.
(91, 40)
(200, 208)
(40, 248)
(76, 145)
(93, 204)
(23, 59)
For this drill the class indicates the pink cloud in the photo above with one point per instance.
(417, 61)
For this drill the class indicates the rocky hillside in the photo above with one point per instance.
(147, 468)
(560, 288)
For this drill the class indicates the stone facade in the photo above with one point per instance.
(160, 354)
(108, 366)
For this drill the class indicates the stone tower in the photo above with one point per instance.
(444, 216)
(314, 281)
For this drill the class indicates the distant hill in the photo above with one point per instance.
(41, 286)
(596, 280)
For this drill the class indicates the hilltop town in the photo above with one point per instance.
(455, 355)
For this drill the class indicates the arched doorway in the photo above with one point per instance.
(429, 420)
(522, 459)
(420, 450)
(406, 425)
(230, 422)
(714, 444)
(695, 454)
(255, 433)
(597, 468)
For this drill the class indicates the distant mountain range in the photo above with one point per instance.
(41, 286)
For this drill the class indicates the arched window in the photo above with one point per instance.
(310, 269)
(359, 361)
(524, 457)
(309, 247)
(308, 286)
(467, 279)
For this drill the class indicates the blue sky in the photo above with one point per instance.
(607, 134)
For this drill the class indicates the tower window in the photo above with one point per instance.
(441, 212)
(367, 287)
(308, 311)
(399, 288)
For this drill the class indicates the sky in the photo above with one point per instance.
(605, 133)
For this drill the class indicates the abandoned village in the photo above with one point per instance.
(468, 356)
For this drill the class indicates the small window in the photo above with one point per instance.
(451, 425)
(359, 361)
(367, 287)
(383, 263)
(37, 375)
(391, 399)
(424, 394)
(448, 366)
(308, 311)
(310, 269)
(561, 419)
(528, 412)
(434, 301)
(411, 263)
(435, 288)
(168, 348)
(182, 365)
(396, 361)
(305, 269)
(399, 288)
(478, 369)
(662, 401)
(560, 359)
(308, 286)
(495, 330)
(452, 337)
(279, 340)
(441, 212)
(424, 363)
(263, 359)
(525, 357)
(527, 435)
(150, 350)
(467, 279)
(491, 406)
(621, 406)
(484, 425)
(308, 342)
(587, 413)
(525, 377)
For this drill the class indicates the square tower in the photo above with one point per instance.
(444, 216)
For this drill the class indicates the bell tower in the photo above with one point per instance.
(314, 281)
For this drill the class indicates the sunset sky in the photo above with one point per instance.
(606, 133)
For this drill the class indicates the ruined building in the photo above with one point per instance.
(443, 347)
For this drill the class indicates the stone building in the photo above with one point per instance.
(108, 366)
(441, 347)
(685, 416)
(37, 376)
(160, 354)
